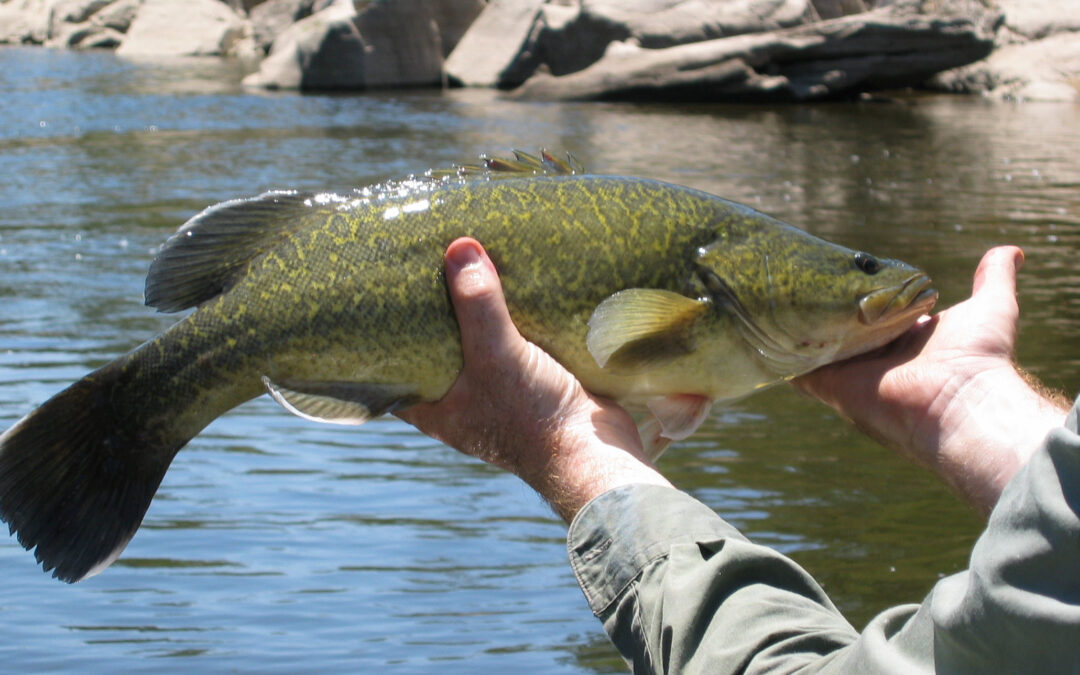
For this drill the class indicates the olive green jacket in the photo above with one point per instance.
(681, 591)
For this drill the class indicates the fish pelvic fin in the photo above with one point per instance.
(638, 328)
(211, 251)
(340, 402)
(671, 418)
(76, 479)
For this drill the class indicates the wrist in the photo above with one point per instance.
(585, 458)
(990, 425)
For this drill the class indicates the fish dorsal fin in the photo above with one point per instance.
(638, 328)
(523, 164)
(211, 250)
(339, 402)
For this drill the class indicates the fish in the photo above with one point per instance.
(665, 298)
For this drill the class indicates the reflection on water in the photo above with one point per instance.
(278, 544)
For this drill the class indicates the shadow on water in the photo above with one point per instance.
(278, 544)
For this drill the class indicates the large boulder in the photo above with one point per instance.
(273, 17)
(1037, 57)
(360, 45)
(66, 23)
(512, 39)
(889, 47)
(25, 21)
(190, 28)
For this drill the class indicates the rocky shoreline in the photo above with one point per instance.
(701, 50)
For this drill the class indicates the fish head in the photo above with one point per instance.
(801, 302)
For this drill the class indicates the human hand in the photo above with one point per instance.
(514, 406)
(947, 394)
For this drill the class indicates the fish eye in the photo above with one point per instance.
(867, 263)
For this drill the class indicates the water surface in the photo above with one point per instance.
(278, 544)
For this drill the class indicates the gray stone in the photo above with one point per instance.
(89, 36)
(360, 45)
(493, 43)
(117, 15)
(656, 24)
(453, 19)
(1036, 19)
(190, 28)
(25, 21)
(272, 18)
(1041, 69)
(512, 39)
(876, 49)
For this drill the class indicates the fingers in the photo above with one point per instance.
(475, 289)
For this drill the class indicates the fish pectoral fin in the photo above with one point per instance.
(339, 402)
(209, 252)
(671, 418)
(635, 329)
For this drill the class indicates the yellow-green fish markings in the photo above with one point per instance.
(662, 297)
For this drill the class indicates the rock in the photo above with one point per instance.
(495, 41)
(94, 37)
(656, 24)
(360, 45)
(831, 9)
(191, 28)
(453, 19)
(76, 11)
(1040, 70)
(272, 18)
(1037, 56)
(25, 21)
(117, 15)
(513, 38)
(1053, 92)
(877, 49)
(1036, 19)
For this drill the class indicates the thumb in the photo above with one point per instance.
(997, 271)
(475, 289)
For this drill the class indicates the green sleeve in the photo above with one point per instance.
(679, 590)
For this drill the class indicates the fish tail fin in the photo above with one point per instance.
(78, 473)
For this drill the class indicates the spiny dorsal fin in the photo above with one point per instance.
(638, 328)
(208, 252)
(523, 164)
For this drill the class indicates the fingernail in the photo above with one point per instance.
(463, 253)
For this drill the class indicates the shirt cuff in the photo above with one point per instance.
(619, 533)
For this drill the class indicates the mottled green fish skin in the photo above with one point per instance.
(351, 289)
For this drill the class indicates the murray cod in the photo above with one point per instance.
(659, 296)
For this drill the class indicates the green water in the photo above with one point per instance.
(277, 544)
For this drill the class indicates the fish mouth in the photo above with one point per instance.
(913, 297)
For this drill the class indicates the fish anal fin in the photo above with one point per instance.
(339, 402)
(204, 257)
(638, 328)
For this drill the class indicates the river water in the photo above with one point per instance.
(275, 544)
